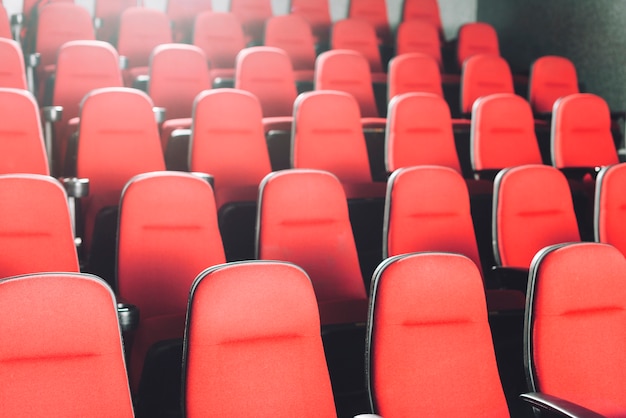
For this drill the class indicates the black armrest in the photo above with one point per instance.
(128, 315)
(76, 188)
(577, 173)
(618, 114)
(367, 416)
(487, 174)
(558, 405)
(510, 277)
(123, 62)
(159, 112)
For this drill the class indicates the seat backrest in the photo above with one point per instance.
(551, 77)
(428, 209)
(118, 139)
(581, 132)
(303, 218)
(252, 14)
(65, 352)
(327, 135)
(532, 209)
(22, 148)
(220, 36)
(375, 13)
(348, 71)
(476, 38)
(573, 331)
(178, 73)
(242, 317)
(610, 204)
(419, 132)
(267, 73)
(423, 10)
(419, 36)
(413, 72)
(182, 14)
(317, 13)
(37, 229)
(108, 13)
(141, 30)
(428, 333)
(483, 75)
(292, 33)
(357, 35)
(13, 73)
(502, 133)
(5, 25)
(167, 235)
(227, 141)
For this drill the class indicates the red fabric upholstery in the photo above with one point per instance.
(253, 344)
(221, 37)
(532, 209)
(423, 10)
(168, 234)
(419, 132)
(108, 12)
(228, 142)
(476, 38)
(430, 350)
(581, 132)
(375, 13)
(359, 36)
(118, 139)
(293, 34)
(5, 26)
(37, 229)
(503, 133)
(252, 14)
(182, 14)
(267, 73)
(414, 72)
(22, 148)
(575, 326)
(483, 75)
(610, 206)
(328, 136)
(141, 30)
(62, 355)
(13, 71)
(82, 66)
(317, 13)
(551, 77)
(348, 71)
(419, 36)
(303, 218)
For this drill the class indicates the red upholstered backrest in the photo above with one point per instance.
(423, 10)
(108, 13)
(5, 26)
(574, 330)
(316, 12)
(532, 209)
(414, 72)
(22, 148)
(182, 14)
(118, 139)
(58, 23)
(581, 132)
(503, 133)
(328, 136)
(141, 30)
(253, 344)
(419, 36)
(610, 206)
(36, 226)
(476, 38)
(13, 73)
(292, 33)
(373, 12)
(359, 36)
(228, 142)
(220, 36)
(252, 14)
(347, 71)
(62, 355)
(419, 131)
(178, 73)
(267, 73)
(551, 77)
(483, 75)
(428, 334)
(428, 209)
(303, 218)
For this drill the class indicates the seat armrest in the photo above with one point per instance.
(577, 173)
(33, 60)
(367, 416)
(17, 19)
(123, 59)
(76, 187)
(510, 277)
(159, 114)
(128, 315)
(486, 174)
(141, 83)
(52, 113)
(558, 406)
(97, 23)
